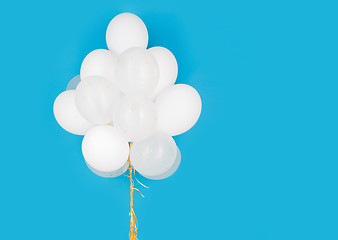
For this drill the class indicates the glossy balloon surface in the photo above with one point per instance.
(105, 149)
(73, 83)
(178, 109)
(125, 31)
(67, 115)
(135, 117)
(170, 171)
(168, 68)
(154, 155)
(96, 99)
(112, 174)
(137, 72)
(101, 63)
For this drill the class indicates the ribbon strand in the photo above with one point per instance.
(133, 219)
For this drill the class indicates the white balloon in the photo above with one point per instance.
(73, 83)
(154, 155)
(125, 31)
(137, 72)
(112, 174)
(96, 98)
(135, 117)
(105, 149)
(170, 171)
(67, 115)
(101, 63)
(178, 109)
(168, 68)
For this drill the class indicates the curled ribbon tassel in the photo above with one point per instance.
(133, 219)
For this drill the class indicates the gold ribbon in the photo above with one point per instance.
(133, 219)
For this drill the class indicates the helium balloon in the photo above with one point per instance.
(125, 31)
(101, 63)
(73, 83)
(67, 115)
(178, 109)
(105, 149)
(137, 72)
(135, 117)
(154, 155)
(96, 98)
(170, 171)
(167, 68)
(109, 174)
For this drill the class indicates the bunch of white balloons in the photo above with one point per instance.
(127, 94)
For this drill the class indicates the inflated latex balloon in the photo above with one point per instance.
(73, 83)
(135, 117)
(67, 115)
(112, 174)
(137, 72)
(167, 68)
(178, 109)
(154, 155)
(96, 99)
(105, 149)
(101, 63)
(170, 171)
(125, 31)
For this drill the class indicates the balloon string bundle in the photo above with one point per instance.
(133, 219)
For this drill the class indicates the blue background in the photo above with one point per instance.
(261, 163)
